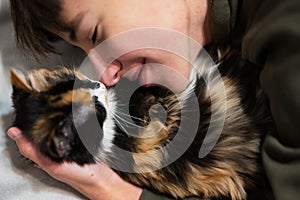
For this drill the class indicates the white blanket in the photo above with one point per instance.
(18, 178)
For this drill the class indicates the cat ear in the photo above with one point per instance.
(19, 80)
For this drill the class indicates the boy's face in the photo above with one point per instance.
(96, 21)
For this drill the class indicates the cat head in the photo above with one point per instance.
(59, 110)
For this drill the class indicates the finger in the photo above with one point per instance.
(29, 150)
(14, 132)
(26, 147)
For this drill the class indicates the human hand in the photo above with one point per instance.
(96, 181)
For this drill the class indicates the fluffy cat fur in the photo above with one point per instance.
(48, 102)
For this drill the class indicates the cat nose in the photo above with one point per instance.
(97, 85)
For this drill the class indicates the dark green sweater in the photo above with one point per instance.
(268, 32)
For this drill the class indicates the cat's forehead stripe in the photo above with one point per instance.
(72, 96)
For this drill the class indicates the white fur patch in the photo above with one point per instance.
(107, 98)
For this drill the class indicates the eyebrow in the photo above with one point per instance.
(74, 26)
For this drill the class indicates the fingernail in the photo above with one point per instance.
(14, 134)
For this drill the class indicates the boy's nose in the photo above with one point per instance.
(109, 74)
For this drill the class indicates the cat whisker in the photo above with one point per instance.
(133, 117)
(123, 126)
(127, 122)
(61, 62)
(118, 122)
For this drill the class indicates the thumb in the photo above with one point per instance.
(14, 133)
(26, 147)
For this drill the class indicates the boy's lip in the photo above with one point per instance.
(143, 77)
(134, 73)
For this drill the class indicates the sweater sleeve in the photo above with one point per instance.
(273, 42)
(280, 79)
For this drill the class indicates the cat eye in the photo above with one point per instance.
(95, 35)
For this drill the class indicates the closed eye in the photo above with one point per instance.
(95, 34)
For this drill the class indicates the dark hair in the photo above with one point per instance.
(33, 20)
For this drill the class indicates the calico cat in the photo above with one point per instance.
(53, 106)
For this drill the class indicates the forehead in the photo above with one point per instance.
(72, 9)
(71, 16)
